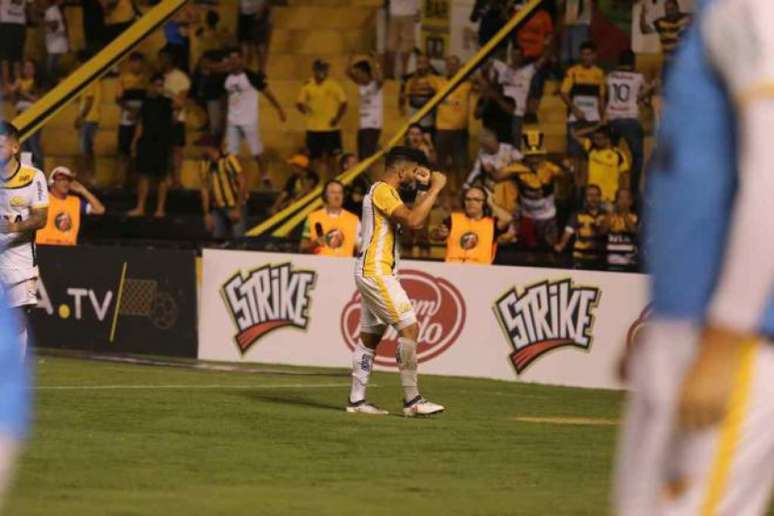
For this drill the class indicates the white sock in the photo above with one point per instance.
(8, 451)
(362, 363)
(406, 356)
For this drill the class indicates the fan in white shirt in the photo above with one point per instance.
(368, 78)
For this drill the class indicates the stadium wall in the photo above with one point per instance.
(552, 326)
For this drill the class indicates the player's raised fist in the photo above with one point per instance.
(422, 175)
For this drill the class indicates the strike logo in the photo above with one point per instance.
(266, 299)
(440, 314)
(546, 316)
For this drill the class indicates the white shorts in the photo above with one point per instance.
(22, 294)
(383, 302)
(727, 470)
(234, 135)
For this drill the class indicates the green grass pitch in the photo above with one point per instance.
(140, 440)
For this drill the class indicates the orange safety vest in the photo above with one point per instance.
(470, 241)
(64, 221)
(340, 232)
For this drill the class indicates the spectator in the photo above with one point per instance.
(13, 32)
(88, 122)
(535, 38)
(621, 228)
(416, 89)
(417, 138)
(331, 230)
(177, 41)
(491, 15)
(576, 28)
(347, 161)
(68, 202)
(254, 30)
(224, 192)
(211, 37)
(118, 15)
(152, 145)
(130, 92)
(26, 89)
(670, 27)
(489, 170)
(209, 91)
(589, 246)
(365, 74)
(472, 236)
(625, 90)
(242, 87)
(57, 39)
(516, 80)
(451, 121)
(536, 182)
(323, 104)
(403, 17)
(176, 87)
(495, 110)
(297, 184)
(582, 91)
(357, 189)
(93, 25)
(608, 167)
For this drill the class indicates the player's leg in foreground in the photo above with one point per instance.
(406, 355)
(362, 363)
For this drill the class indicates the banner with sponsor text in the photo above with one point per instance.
(551, 326)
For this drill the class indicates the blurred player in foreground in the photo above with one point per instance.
(697, 438)
(383, 300)
(23, 210)
(14, 394)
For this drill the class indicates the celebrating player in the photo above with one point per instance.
(697, 437)
(23, 210)
(383, 300)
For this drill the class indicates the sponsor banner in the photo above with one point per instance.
(550, 326)
(117, 300)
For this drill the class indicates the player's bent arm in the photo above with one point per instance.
(36, 220)
(415, 217)
(97, 208)
(747, 275)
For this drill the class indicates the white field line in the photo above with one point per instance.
(192, 386)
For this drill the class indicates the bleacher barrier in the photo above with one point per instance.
(553, 326)
(286, 220)
(74, 84)
(117, 300)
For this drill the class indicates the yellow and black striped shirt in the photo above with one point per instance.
(670, 32)
(221, 178)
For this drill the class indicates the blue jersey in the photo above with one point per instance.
(14, 388)
(691, 186)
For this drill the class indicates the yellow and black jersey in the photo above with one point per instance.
(379, 256)
(536, 189)
(622, 239)
(221, 178)
(589, 242)
(670, 32)
(585, 86)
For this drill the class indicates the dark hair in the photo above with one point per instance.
(594, 187)
(401, 153)
(343, 159)
(415, 126)
(589, 45)
(329, 183)
(9, 130)
(156, 77)
(604, 130)
(626, 58)
(136, 56)
(364, 66)
(171, 55)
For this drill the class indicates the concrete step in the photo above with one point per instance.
(323, 17)
(330, 41)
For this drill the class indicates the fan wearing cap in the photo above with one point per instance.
(301, 180)
(224, 191)
(323, 103)
(68, 201)
(535, 178)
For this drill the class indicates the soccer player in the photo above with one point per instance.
(383, 300)
(698, 424)
(23, 210)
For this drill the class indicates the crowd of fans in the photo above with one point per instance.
(585, 201)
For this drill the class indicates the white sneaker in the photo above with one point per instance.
(364, 407)
(419, 406)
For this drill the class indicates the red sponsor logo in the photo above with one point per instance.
(440, 312)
